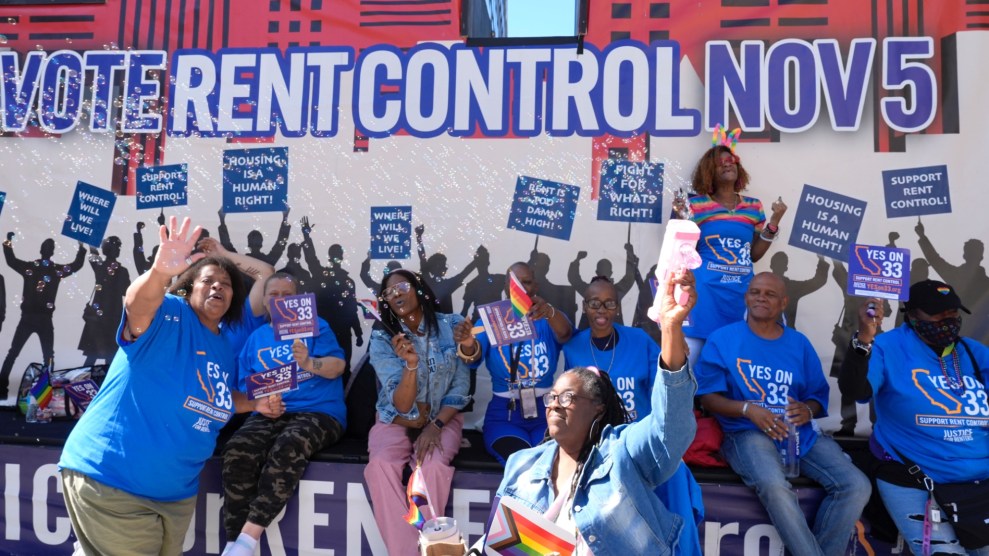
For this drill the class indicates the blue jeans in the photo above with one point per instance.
(906, 506)
(755, 457)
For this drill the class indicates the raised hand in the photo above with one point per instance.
(779, 209)
(175, 252)
(670, 311)
(211, 246)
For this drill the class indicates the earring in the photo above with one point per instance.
(592, 434)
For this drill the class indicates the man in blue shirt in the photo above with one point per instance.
(756, 376)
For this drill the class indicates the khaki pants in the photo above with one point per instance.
(108, 521)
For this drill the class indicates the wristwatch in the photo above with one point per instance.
(861, 348)
(438, 424)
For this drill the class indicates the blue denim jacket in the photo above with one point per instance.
(448, 377)
(614, 506)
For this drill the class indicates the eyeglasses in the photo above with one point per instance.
(729, 159)
(564, 399)
(595, 304)
(398, 289)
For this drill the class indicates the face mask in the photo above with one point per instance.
(941, 333)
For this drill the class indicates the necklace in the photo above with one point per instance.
(955, 383)
(610, 343)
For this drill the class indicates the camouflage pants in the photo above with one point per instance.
(263, 462)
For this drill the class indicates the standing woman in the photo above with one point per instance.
(421, 358)
(130, 468)
(734, 235)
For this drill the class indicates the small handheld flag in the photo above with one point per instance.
(42, 390)
(521, 302)
(416, 493)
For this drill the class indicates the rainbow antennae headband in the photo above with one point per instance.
(723, 138)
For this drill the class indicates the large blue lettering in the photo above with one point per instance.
(256, 92)
(19, 88)
(61, 92)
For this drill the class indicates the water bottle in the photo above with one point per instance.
(790, 451)
(32, 410)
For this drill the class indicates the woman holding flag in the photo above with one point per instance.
(522, 372)
(421, 358)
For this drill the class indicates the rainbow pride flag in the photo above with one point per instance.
(42, 390)
(518, 531)
(416, 493)
(516, 293)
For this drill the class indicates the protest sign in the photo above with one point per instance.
(503, 325)
(293, 316)
(162, 186)
(631, 192)
(916, 191)
(89, 214)
(255, 180)
(273, 381)
(826, 223)
(543, 207)
(391, 232)
(882, 272)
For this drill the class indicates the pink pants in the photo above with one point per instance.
(390, 450)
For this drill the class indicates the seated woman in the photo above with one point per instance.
(266, 457)
(924, 377)
(421, 359)
(596, 473)
(519, 366)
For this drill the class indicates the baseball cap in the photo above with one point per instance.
(933, 297)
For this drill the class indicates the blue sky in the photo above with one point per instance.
(541, 18)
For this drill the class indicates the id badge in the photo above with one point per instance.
(530, 410)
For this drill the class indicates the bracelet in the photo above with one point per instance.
(553, 314)
(468, 358)
(770, 238)
(860, 347)
(809, 410)
(773, 228)
(745, 407)
(413, 369)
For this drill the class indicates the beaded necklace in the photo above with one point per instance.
(955, 383)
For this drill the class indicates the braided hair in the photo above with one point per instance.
(597, 384)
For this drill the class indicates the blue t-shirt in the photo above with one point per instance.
(725, 247)
(237, 333)
(315, 393)
(155, 421)
(740, 365)
(631, 365)
(537, 359)
(944, 430)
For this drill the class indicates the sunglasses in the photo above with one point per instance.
(729, 159)
(564, 400)
(398, 289)
(595, 304)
